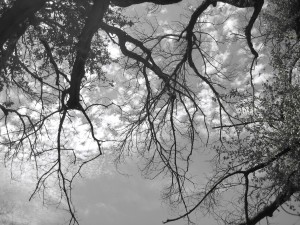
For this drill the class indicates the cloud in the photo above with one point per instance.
(163, 10)
(15, 194)
(114, 51)
(118, 199)
(231, 25)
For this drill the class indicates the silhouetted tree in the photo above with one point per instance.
(175, 94)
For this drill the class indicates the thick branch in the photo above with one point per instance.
(83, 47)
(236, 3)
(126, 3)
(284, 196)
(123, 38)
(11, 44)
(257, 4)
(257, 8)
(240, 3)
(16, 15)
(227, 175)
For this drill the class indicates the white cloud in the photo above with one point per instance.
(163, 11)
(259, 76)
(230, 25)
(114, 51)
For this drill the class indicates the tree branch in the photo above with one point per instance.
(226, 176)
(16, 15)
(284, 196)
(126, 3)
(83, 47)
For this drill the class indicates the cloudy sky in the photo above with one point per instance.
(104, 196)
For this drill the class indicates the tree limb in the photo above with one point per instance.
(126, 3)
(16, 15)
(284, 196)
(83, 47)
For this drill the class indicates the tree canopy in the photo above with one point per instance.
(224, 76)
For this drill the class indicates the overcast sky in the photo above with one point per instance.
(103, 197)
